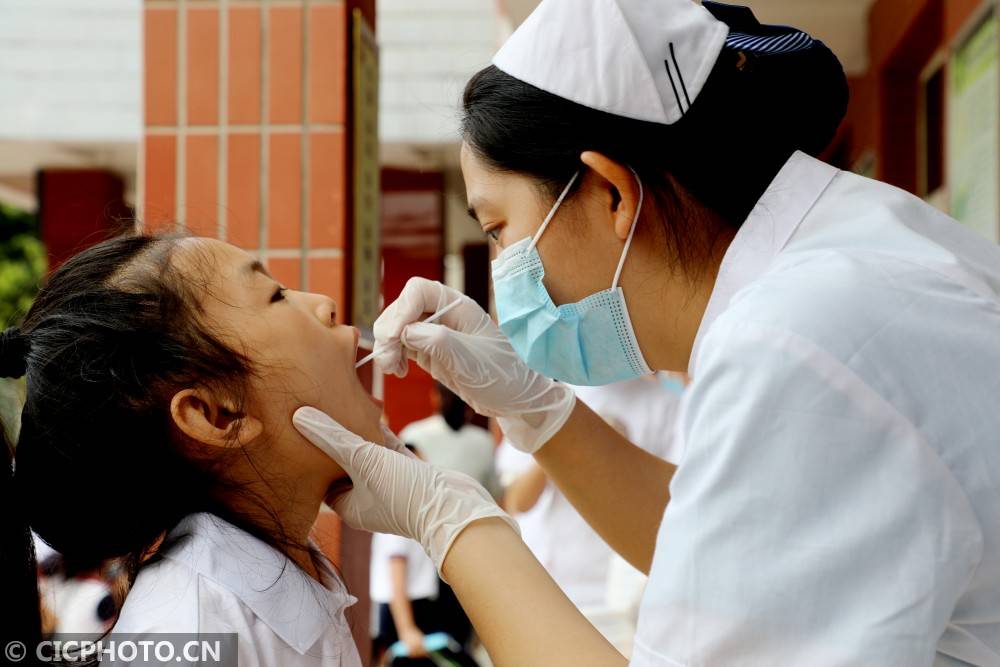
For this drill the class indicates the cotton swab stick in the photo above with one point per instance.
(433, 318)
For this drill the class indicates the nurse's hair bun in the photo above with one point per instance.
(14, 348)
(781, 73)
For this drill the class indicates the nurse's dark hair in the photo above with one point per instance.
(112, 335)
(705, 173)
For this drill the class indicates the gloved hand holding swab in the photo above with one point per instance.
(433, 318)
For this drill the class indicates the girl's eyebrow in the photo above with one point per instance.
(256, 267)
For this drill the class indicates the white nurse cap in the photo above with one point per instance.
(642, 59)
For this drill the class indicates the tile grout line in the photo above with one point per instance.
(305, 153)
(138, 222)
(296, 253)
(233, 129)
(181, 166)
(163, 4)
(222, 187)
(265, 135)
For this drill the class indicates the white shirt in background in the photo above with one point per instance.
(469, 450)
(645, 408)
(511, 463)
(572, 553)
(220, 579)
(421, 575)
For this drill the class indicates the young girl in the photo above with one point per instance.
(169, 368)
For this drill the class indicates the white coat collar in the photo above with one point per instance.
(766, 231)
(292, 604)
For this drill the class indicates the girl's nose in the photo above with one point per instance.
(326, 311)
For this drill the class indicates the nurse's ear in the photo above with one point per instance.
(622, 186)
(213, 420)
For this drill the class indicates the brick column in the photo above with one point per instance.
(247, 128)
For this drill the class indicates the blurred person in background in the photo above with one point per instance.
(451, 441)
(405, 587)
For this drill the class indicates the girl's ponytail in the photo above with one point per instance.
(20, 618)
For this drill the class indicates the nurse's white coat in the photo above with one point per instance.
(838, 502)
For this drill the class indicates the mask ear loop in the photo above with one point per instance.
(552, 213)
(631, 232)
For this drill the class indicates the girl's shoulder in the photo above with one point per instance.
(216, 578)
(163, 599)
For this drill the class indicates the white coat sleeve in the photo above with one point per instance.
(809, 523)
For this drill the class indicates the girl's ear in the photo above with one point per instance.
(203, 417)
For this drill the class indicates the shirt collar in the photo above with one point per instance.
(292, 604)
(766, 231)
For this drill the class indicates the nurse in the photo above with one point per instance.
(646, 169)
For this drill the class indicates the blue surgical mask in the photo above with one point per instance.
(590, 342)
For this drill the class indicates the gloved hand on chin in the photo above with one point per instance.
(394, 492)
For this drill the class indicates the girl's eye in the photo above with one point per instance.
(279, 295)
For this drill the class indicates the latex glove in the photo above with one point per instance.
(399, 494)
(393, 442)
(467, 352)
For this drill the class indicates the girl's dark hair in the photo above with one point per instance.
(705, 172)
(115, 332)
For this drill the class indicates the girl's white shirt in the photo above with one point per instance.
(218, 578)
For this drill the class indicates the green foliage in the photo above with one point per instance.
(23, 263)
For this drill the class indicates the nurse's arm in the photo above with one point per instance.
(619, 488)
(520, 614)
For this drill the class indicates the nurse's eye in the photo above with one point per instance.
(493, 234)
(279, 295)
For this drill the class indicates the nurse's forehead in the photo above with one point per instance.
(477, 208)
(485, 193)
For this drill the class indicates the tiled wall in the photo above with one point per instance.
(245, 130)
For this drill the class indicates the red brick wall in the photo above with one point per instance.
(246, 124)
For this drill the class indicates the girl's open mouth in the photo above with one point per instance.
(357, 345)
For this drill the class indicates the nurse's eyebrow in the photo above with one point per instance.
(472, 212)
